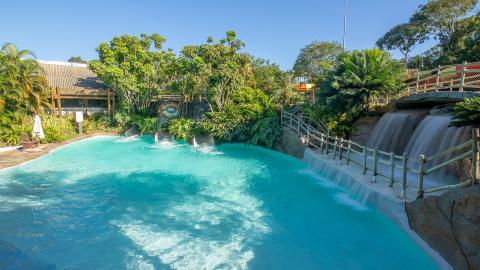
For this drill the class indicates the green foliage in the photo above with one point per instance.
(441, 17)
(136, 68)
(361, 79)
(249, 118)
(403, 37)
(215, 70)
(467, 113)
(266, 131)
(181, 128)
(266, 76)
(145, 124)
(316, 60)
(76, 59)
(23, 86)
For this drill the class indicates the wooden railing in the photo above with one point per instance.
(385, 165)
(457, 77)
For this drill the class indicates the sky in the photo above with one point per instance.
(274, 30)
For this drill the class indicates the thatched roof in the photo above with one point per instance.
(73, 79)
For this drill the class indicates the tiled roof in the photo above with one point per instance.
(73, 79)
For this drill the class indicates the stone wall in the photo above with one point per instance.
(290, 144)
(450, 224)
(363, 127)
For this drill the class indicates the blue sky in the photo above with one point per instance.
(275, 30)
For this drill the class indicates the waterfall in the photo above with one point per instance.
(432, 136)
(195, 144)
(394, 129)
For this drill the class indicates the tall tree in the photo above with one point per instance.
(76, 59)
(403, 37)
(224, 66)
(441, 17)
(136, 68)
(316, 59)
(266, 76)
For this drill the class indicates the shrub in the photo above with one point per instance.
(467, 113)
(145, 124)
(181, 128)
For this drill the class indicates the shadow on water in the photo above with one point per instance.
(82, 213)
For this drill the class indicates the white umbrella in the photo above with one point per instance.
(37, 128)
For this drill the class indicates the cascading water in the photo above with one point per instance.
(195, 144)
(434, 135)
(394, 129)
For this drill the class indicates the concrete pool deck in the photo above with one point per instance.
(18, 156)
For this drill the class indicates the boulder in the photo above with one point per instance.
(132, 131)
(363, 127)
(450, 224)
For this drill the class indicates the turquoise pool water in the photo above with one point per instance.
(123, 203)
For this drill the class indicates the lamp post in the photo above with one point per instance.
(345, 23)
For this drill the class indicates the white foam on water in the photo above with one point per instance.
(320, 179)
(207, 149)
(128, 139)
(221, 203)
(164, 144)
(137, 262)
(181, 250)
(345, 199)
(10, 203)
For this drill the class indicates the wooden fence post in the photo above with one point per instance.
(375, 165)
(392, 168)
(364, 160)
(421, 172)
(437, 83)
(462, 78)
(404, 175)
(475, 156)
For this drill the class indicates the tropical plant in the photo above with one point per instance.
(181, 128)
(145, 124)
(467, 113)
(23, 87)
(361, 80)
(250, 118)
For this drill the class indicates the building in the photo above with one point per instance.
(76, 88)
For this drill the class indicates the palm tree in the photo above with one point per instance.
(23, 85)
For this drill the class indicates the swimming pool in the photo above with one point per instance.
(130, 203)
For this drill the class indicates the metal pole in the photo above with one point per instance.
(392, 168)
(335, 147)
(375, 165)
(462, 78)
(404, 175)
(364, 160)
(345, 24)
(340, 152)
(421, 169)
(349, 150)
(475, 156)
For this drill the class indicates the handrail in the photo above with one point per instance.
(371, 158)
(465, 75)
